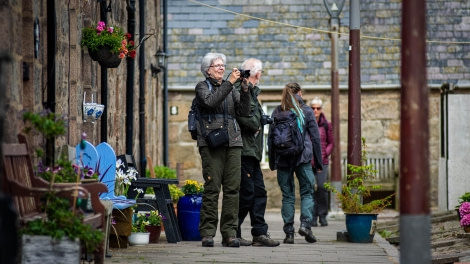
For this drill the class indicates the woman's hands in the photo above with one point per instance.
(234, 76)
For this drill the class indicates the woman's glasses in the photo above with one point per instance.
(218, 66)
(316, 108)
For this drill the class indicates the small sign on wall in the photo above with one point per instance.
(173, 110)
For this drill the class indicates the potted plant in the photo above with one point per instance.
(464, 212)
(139, 235)
(64, 217)
(153, 224)
(361, 218)
(189, 209)
(61, 225)
(463, 198)
(108, 44)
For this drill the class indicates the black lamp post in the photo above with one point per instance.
(334, 10)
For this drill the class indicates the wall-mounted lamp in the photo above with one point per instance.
(161, 56)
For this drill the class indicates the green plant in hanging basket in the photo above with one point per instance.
(114, 38)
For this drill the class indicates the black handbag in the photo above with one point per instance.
(217, 137)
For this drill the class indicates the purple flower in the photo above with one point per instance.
(465, 221)
(464, 209)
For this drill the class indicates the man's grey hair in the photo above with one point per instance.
(252, 64)
(317, 101)
(208, 59)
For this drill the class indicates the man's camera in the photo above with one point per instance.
(244, 73)
(266, 119)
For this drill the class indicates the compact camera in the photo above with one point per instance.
(266, 119)
(244, 73)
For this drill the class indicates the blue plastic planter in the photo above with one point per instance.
(189, 211)
(361, 227)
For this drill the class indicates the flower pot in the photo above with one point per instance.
(189, 211)
(138, 239)
(105, 57)
(361, 227)
(45, 249)
(155, 232)
(121, 228)
(466, 229)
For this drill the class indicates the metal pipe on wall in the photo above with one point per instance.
(130, 81)
(143, 160)
(104, 81)
(51, 72)
(165, 86)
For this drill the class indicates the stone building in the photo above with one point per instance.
(291, 38)
(50, 70)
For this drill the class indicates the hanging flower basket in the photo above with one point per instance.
(105, 57)
(108, 45)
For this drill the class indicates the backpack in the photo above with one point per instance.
(285, 136)
(193, 115)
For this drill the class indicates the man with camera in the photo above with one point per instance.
(253, 196)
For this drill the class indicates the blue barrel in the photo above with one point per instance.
(361, 227)
(189, 211)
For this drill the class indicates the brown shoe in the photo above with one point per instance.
(264, 241)
(244, 242)
(230, 242)
(207, 241)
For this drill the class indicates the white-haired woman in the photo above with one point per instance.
(320, 208)
(219, 105)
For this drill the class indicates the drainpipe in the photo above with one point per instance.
(130, 81)
(51, 76)
(104, 79)
(165, 86)
(143, 161)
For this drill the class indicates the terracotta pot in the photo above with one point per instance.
(466, 229)
(155, 232)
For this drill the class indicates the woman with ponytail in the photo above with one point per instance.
(300, 164)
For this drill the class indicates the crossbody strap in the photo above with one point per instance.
(201, 124)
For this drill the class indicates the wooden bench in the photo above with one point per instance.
(26, 189)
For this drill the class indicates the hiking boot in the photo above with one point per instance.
(323, 221)
(314, 223)
(307, 233)
(231, 242)
(207, 241)
(289, 238)
(264, 240)
(244, 242)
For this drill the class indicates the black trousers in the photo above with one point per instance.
(253, 197)
(320, 196)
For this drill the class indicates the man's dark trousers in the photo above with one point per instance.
(253, 196)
